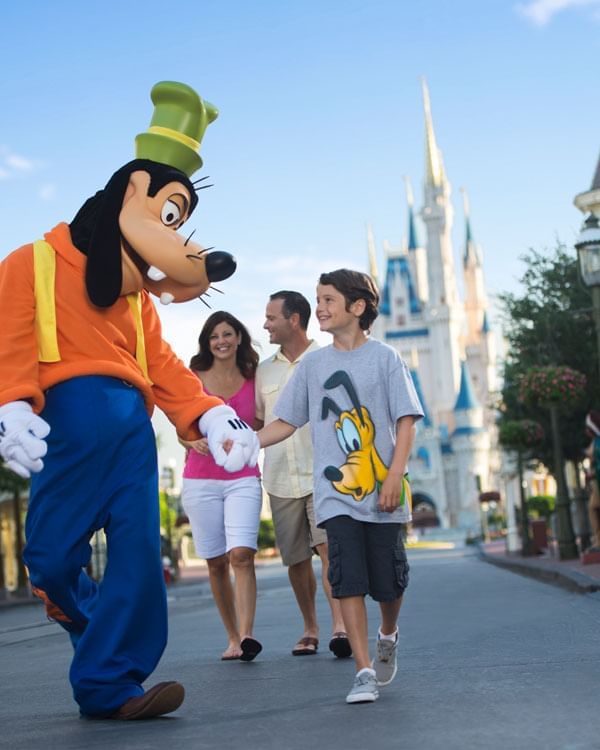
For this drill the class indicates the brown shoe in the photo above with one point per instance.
(161, 699)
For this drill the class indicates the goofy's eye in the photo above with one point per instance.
(170, 213)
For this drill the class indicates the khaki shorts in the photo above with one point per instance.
(296, 531)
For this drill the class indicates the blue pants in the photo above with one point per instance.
(100, 473)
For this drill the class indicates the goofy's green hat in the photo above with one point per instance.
(177, 127)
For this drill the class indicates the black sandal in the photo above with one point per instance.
(251, 648)
(340, 646)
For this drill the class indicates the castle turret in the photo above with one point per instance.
(475, 298)
(470, 446)
(445, 313)
(417, 254)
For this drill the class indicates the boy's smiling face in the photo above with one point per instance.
(331, 311)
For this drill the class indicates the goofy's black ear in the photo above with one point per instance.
(103, 271)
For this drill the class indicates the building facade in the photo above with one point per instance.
(449, 345)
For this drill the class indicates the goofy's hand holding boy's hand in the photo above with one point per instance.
(221, 424)
(22, 434)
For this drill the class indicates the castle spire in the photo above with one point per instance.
(433, 161)
(373, 272)
(470, 253)
(413, 243)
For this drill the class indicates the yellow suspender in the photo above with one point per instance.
(135, 303)
(44, 267)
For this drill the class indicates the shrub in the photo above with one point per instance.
(540, 506)
(266, 534)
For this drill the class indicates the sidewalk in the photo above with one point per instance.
(571, 574)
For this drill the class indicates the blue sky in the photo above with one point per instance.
(320, 118)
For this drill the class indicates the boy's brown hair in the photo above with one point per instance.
(355, 285)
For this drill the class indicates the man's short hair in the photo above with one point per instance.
(355, 285)
(294, 302)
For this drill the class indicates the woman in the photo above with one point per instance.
(223, 507)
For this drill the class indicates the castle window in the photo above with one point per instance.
(400, 320)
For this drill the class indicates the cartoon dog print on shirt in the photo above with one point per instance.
(363, 470)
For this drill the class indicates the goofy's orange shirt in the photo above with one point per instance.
(91, 340)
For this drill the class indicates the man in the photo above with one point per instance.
(287, 474)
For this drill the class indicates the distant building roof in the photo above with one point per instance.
(596, 180)
(413, 242)
(419, 390)
(466, 396)
(399, 266)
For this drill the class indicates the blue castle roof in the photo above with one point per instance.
(413, 243)
(399, 266)
(419, 390)
(466, 397)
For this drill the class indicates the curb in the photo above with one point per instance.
(564, 577)
(18, 601)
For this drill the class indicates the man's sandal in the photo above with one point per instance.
(306, 646)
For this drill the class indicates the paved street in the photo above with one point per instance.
(489, 659)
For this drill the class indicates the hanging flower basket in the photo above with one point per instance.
(521, 434)
(554, 386)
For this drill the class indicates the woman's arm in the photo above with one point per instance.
(200, 446)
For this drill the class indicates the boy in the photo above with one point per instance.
(361, 449)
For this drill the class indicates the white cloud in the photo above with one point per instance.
(541, 12)
(14, 165)
(19, 163)
(47, 192)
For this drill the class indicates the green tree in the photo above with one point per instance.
(549, 323)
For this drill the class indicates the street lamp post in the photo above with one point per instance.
(567, 547)
(588, 252)
(526, 541)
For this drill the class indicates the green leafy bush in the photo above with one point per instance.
(266, 534)
(540, 506)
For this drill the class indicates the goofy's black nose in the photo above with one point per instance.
(220, 265)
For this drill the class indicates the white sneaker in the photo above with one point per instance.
(364, 689)
(385, 662)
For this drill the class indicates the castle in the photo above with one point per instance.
(450, 349)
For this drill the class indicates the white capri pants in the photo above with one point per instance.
(223, 513)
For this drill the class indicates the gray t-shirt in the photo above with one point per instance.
(352, 400)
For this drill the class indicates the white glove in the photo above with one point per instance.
(222, 423)
(21, 438)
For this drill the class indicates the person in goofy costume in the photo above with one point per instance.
(82, 364)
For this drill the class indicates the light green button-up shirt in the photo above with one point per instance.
(287, 469)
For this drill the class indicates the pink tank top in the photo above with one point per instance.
(198, 466)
